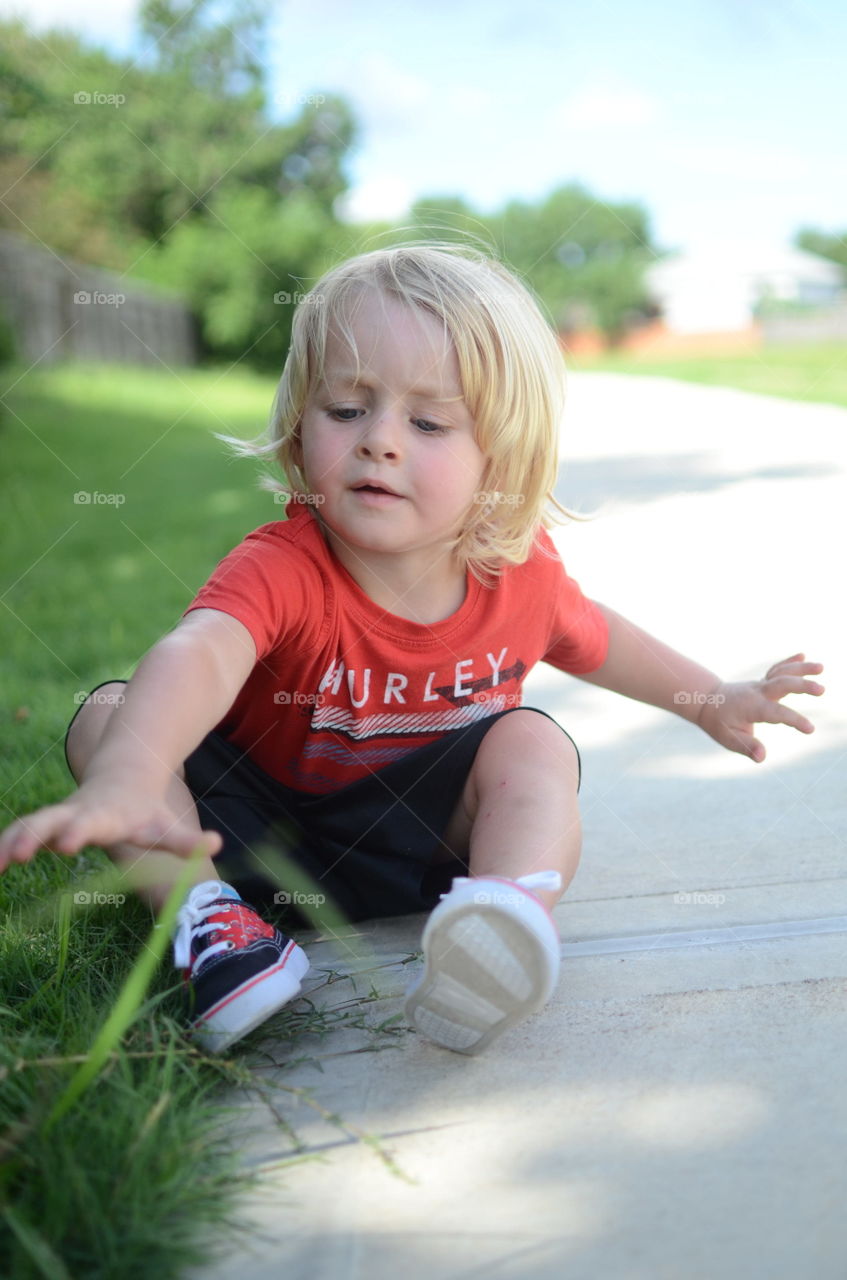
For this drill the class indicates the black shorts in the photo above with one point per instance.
(370, 847)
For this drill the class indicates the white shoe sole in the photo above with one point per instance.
(491, 958)
(249, 1005)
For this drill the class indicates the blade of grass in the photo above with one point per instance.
(310, 899)
(131, 995)
(64, 922)
(49, 1264)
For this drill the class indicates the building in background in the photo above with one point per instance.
(729, 298)
(740, 294)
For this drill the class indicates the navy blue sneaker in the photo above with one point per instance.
(240, 969)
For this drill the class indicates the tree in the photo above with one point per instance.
(168, 167)
(585, 258)
(450, 218)
(825, 244)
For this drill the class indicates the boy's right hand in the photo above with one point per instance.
(103, 813)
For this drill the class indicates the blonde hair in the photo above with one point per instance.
(512, 375)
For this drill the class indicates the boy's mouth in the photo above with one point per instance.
(372, 487)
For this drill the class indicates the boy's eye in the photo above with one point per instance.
(424, 425)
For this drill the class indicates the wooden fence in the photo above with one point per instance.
(58, 309)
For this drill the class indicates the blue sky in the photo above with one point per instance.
(724, 118)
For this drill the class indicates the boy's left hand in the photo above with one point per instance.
(733, 709)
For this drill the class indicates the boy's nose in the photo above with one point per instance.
(381, 437)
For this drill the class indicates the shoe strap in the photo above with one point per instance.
(546, 880)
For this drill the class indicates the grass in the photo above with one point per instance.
(116, 1150)
(125, 1181)
(814, 373)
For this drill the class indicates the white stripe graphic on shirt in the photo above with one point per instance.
(342, 721)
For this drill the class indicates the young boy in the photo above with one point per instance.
(353, 673)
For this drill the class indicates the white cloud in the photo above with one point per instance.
(391, 99)
(103, 22)
(378, 198)
(470, 100)
(386, 96)
(746, 161)
(604, 105)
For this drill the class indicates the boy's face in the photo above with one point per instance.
(391, 457)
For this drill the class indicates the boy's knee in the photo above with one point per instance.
(527, 737)
(524, 746)
(89, 723)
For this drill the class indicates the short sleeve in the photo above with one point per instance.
(269, 586)
(578, 631)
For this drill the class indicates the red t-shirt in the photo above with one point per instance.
(341, 688)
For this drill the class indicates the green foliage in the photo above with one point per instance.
(167, 167)
(244, 270)
(826, 244)
(451, 219)
(585, 258)
(219, 43)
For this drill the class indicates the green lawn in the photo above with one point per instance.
(88, 588)
(132, 1179)
(138, 1178)
(816, 373)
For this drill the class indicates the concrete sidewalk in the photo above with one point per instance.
(678, 1111)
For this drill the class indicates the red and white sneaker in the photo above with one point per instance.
(239, 968)
(491, 958)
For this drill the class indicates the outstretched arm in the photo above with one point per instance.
(182, 688)
(640, 666)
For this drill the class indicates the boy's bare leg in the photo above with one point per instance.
(150, 872)
(485, 969)
(518, 812)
